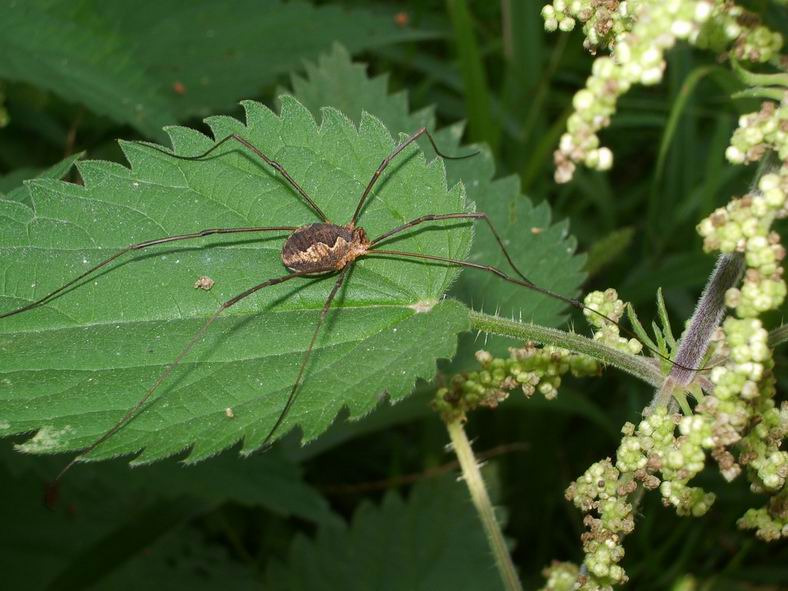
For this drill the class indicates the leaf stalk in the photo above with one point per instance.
(638, 366)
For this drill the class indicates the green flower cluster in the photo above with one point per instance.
(770, 522)
(738, 382)
(561, 576)
(601, 489)
(680, 461)
(638, 37)
(638, 32)
(760, 449)
(530, 368)
(744, 225)
(653, 449)
(758, 132)
(606, 303)
(754, 42)
(744, 387)
(651, 456)
(739, 424)
(602, 21)
(741, 409)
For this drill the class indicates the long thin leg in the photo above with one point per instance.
(387, 160)
(453, 216)
(495, 270)
(294, 390)
(270, 161)
(140, 246)
(134, 410)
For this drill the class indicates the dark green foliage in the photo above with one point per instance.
(430, 542)
(330, 515)
(149, 63)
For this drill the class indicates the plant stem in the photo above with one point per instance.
(481, 500)
(638, 366)
(707, 316)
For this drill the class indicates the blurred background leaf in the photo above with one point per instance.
(429, 541)
(149, 64)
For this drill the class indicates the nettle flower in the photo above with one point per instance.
(534, 369)
(741, 408)
(530, 368)
(758, 132)
(599, 490)
(606, 303)
(652, 455)
(657, 457)
(737, 422)
(637, 33)
(771, 522)
(744, 226)
(561, 576)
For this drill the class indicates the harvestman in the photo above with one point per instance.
(317, 249)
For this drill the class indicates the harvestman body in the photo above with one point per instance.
(323, 248)
(316, 249)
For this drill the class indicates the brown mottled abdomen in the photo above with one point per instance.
(319, 248)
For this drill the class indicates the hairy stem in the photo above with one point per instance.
(481, 500)
(705, 320)
(638, 366)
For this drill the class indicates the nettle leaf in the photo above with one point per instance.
(73, 368)
(544, 251)
(431, 541)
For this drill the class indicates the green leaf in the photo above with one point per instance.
(133, 535)
(336, 80)
(543, 251)
(431, 541)
(149, 63)
(638, 329)
(756, 79)
(75, 366)
(676, 111)
(664, 320)
(16, 191)
(661, 343)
